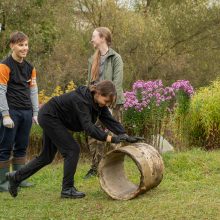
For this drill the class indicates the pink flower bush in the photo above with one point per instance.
(183, 85)
(144, 93)
(149, 103)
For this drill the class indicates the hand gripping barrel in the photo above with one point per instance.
(112, 174)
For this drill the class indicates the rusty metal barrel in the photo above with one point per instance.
(113, 179)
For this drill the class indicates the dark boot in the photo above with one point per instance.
(92, 172)
(4, 168)
(16, 177)
(17, 164)
(72, 193)
(13, 183)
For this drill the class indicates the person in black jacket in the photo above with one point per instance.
(76, 111)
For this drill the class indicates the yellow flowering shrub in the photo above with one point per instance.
(43, 97)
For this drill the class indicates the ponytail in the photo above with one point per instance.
(95, 66)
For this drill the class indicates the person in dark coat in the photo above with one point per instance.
(76, 111)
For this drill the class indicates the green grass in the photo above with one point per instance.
(190, 190)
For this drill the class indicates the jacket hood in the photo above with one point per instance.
(87, 96)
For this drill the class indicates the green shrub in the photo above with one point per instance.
(202, 121)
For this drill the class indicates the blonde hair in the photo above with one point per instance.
(104, 32)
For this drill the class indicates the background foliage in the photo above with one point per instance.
(201, 125)
(166, 40)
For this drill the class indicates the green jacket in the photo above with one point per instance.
(113, 70)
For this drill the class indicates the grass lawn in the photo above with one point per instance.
(190, 190)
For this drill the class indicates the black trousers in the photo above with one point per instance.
(55, 137)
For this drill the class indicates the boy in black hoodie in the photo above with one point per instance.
(76, 111)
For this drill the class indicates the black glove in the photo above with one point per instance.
(125, 137)
(119, 138)
(134, 139)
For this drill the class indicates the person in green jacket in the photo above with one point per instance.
(105, 64)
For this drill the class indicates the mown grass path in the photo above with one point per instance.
(190, 190)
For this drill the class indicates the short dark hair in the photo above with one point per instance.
(17, 37)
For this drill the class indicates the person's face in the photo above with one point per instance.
(96, 40)
(102, 100)
(20, 49)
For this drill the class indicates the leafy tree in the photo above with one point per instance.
(166, 40)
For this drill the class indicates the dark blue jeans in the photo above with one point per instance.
(15, 140)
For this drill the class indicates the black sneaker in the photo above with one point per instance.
(13, 184)
(90, 174)
(72, 193)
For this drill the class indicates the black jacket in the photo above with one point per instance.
(78, 112)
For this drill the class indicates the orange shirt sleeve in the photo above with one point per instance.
(4, 74)
(33, 78)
